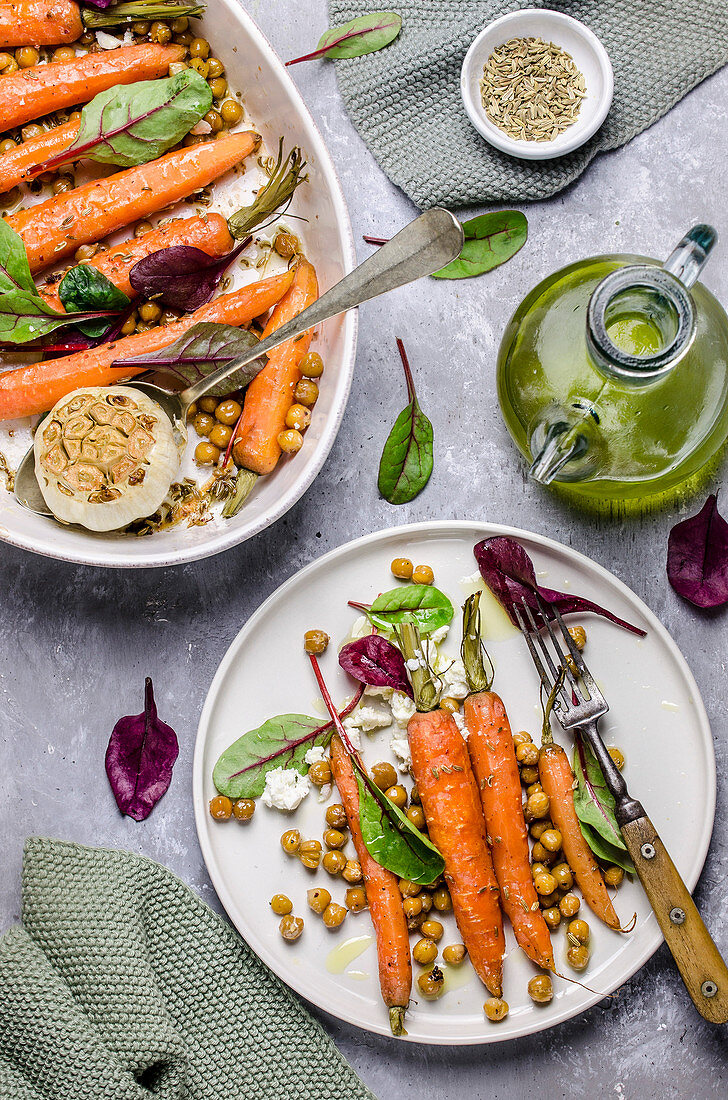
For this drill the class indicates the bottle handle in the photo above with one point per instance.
(689, 258)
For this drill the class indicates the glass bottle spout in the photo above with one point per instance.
(564, 447)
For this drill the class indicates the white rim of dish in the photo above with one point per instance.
(231, 536)
(524, 150)
(484, 530)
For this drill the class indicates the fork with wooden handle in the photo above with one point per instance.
(578, 706)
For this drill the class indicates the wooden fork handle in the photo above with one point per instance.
(699, 961)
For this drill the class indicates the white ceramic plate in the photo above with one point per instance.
(274, 108)
(656, 717)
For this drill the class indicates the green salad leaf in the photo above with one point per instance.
(84, 288)
(365, 34)
(391, 838)
(422, 604)
(490, 240)
(407, 460)
(594, 805)
(281, 742)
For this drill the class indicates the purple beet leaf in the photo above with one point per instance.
(508, 572)
(375, 661)
(697, 557)
(182, 276)
(139, 759)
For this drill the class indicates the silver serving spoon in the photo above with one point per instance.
(422, 247)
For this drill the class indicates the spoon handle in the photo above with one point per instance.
(422, 247)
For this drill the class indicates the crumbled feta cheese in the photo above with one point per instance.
(453, 679)
(325, 793)
(354, 735)
(372, 716)
(315, 755)
(201, 128)
(402, 708)
(400, 748)
(439, 635)
(108, 41)
(413, 663)
(285, 789)
(379, 692)
(459, 721)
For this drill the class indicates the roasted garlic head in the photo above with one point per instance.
(105, 456)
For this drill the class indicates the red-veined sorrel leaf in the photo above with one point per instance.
(697, 557)
(375, 661)
(490, 240)
(407, 460)
(139, 759)
(365, 34)
(182, 276)
(508, 572)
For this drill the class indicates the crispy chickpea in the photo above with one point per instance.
(433, 930)
(213, 120)
(221, 807)
(206, 454)
(291, 841)
(129, 326)
(409, 889)
(532, 788)
(431, 983)
(64, 53)
(150, 311)
(412, 906)
(309, 853)
(334, 862)
(208, 404)
(216, 66)
(336, 816)
(218, 84)
(426, 900)
(522, 737)
(578, 636)
(334, 838)
(200, 66)
(541, 854)
(548, 901)
(352, 871)
(384, 775)
(397, 794)
(402, 569)
(545, 883)
(415, 795)
(180, 25)
(161, 33)
(551, 839)
(306, 392)
(423, 574)
(417, 816)
(441, 899)
(286, 244)
(5, 59)
(537, 805)
(617, 756)
(11, 67)
(424, 952)
(579, 929)
(298, 417)
(26, 57)
(203, 423)
(318, 899)
(243, 809)
(312, 366)
(333, 915)
(85, 252)
(141, 26)
(450, 704)
(199, 47)
(540, 989)
(281, 905)
(220, 436)
(454, 953)
(538, 828)
(578, 957)
(320, 773)
(529, 775)
(496, 1009)
(231, 112)
(563, 875)
(538, 869)
(291, 927)
(613, 876)
(356, 899)
(569, 905)
(8, 143)
(316, 641)
(527, 754)
(141, 228)
(290, 441)
(552, 916)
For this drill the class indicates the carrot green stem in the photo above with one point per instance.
(396, 1020)
(547, 737)
(244, 485)
(121, 14)
(424, 682)
(278, 191)
(472, 650)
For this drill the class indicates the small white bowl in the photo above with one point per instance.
(569, 34)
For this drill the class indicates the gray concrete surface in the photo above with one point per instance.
(77, 642)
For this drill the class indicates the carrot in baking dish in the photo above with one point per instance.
(57, 227)
(208, 232)
(557, 780)
(36, 387)
(490, 745)
(16, 164)
(270, 395)
(383, 896)
(39, 23)
(30, 93)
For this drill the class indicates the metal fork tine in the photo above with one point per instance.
(578, 659)
(545, 608)
(555, 672)
(543, 674)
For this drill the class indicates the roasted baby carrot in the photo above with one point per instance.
(383, 896)
(36, 387)
(557, 780)
(270, 395)
(208, 232)
(57, 227)
(30, 93)
(39, 23)
(490, 745)
(16, 164)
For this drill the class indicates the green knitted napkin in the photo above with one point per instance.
(405, 100)
(123, 985)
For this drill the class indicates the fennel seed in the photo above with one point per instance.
(531, 89)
